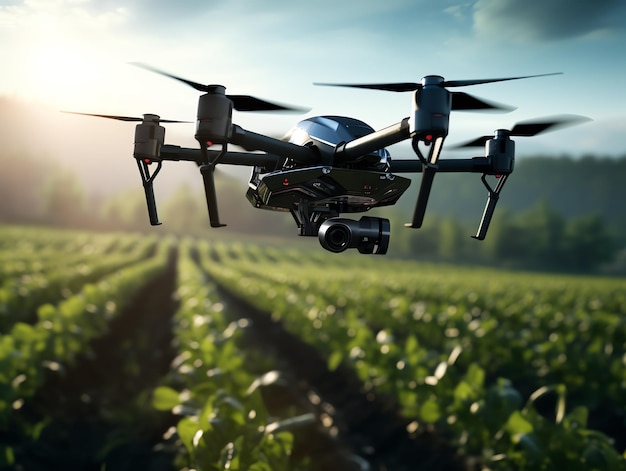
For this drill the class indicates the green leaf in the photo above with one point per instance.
(187, 429)
(577, 418)
(411, 345)
(504, 396)
(528, 442)
(430, 412)
(165, 398)
(463, 392)
(277, 449)
(475, 376)
(260, 466)
(518, 426)
(46, 312)
(601, 455)
(7, 457)
(334, 360)
(229, 407)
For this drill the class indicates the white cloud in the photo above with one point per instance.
(35, 15)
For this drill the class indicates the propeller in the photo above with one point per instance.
(500, 153)
(412, 86)
(149, 137)
(240, 102)
(460, 101)
(531, 128)
(153, 118)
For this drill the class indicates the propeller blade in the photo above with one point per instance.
(463, 83)
(390, 87)
(198, 86)
(534, 127)
(124, 118)
(250, 103)
(531, 128)
(478, 142)
(462, 101)
(119, 118)
(240, 102)
(411, 86)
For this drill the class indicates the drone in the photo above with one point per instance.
(326, 166)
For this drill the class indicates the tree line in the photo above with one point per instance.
(538, 238)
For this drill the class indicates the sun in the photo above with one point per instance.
(59, 72)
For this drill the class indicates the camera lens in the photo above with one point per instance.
(335, 237)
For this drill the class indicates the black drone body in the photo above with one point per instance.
(329, 165)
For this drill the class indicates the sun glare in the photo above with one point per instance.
(59, 73)
(57, 51)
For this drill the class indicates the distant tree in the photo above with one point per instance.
(572, 187)
(185, 210)
(64, 199)
(588, 244)
(424, 242)
(452, 239)
(542, 230)
(540, 238)
(505, 242)
(21, 181)
(126, 211)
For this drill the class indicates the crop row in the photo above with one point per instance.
(21, 242)
(223, 422)
(26, 259)
(61, 277)
(476, 352)
(30, 352)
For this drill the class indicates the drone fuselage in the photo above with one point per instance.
(339, 190)
(347, 187)
(317, 194)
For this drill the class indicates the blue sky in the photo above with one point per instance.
(74, 55)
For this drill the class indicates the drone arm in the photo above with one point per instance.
(474, 165)
(357, 148)
(265, 161)
(287, 150)
(177, 153)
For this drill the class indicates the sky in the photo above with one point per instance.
(76, 54)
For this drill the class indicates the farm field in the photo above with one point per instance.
(122, 351)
